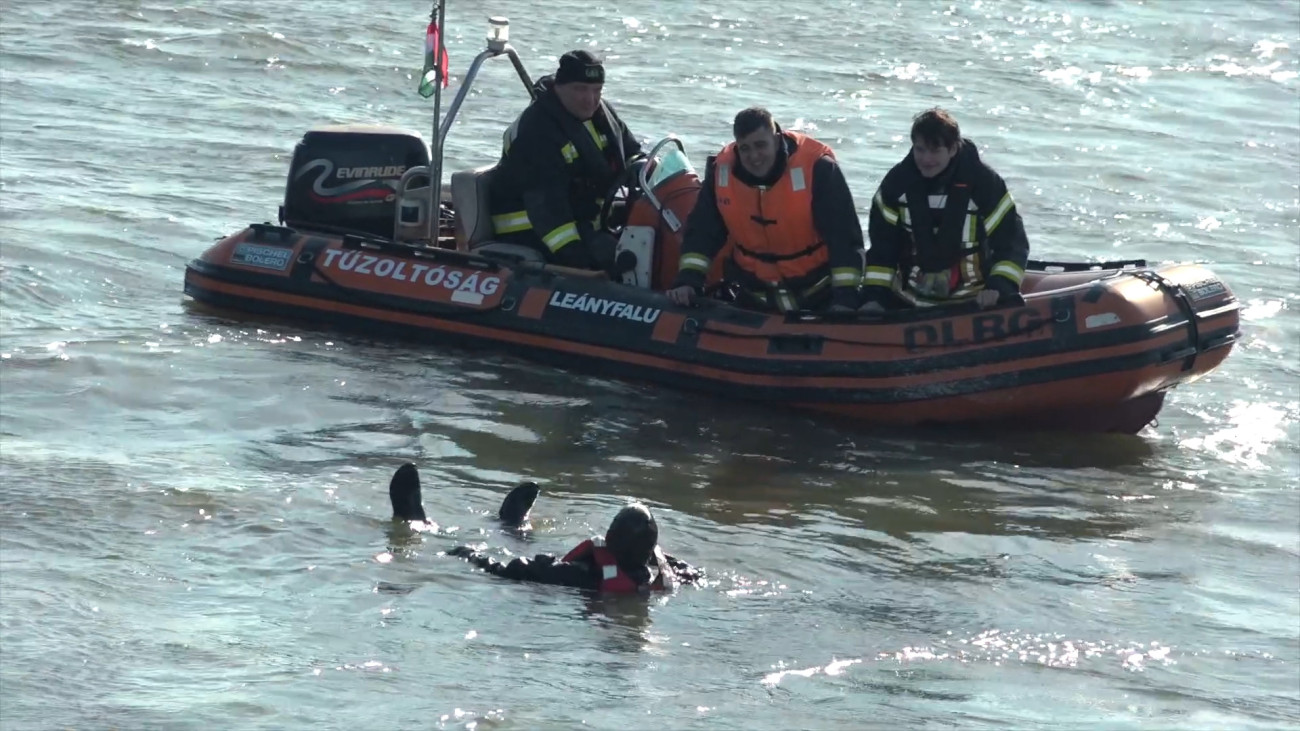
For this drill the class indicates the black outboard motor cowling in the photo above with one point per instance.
(345, 177)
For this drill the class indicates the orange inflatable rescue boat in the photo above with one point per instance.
(1094, 347)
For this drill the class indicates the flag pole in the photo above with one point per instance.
(438, 15)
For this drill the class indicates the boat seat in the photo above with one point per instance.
(471, 199)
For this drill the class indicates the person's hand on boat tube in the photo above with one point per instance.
(986, 298)
(874, 303)
(999, 291)
(683, 295)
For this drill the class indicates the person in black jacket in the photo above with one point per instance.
(627, 560)
(559, 159)
(943, 227)
(794, 241)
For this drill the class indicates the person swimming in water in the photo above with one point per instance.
(627, 559)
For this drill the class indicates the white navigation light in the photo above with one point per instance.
(498, 30)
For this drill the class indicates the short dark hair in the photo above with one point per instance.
(749, 121)
(936, 128)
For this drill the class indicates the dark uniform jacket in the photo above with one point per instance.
(547, 569)
(554, 170)
(946, 236)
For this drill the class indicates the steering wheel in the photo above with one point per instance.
(628, 178)
(636, 177)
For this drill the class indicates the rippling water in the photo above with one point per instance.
(194, 529)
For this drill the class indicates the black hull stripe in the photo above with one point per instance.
(635, 340)
(624, 370)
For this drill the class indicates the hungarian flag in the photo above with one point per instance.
(433, 73)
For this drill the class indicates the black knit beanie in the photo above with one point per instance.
(580, 66)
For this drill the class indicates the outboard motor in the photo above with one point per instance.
(345, 177)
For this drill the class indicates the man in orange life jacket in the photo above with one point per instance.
(778, 202)
(943, 227)
(559, 158)
(627, 560)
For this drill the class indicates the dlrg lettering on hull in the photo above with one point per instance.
(987, 327)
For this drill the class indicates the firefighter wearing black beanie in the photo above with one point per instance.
(559, 160)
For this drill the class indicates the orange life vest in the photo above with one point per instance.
(770, 229)
(613, 578)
